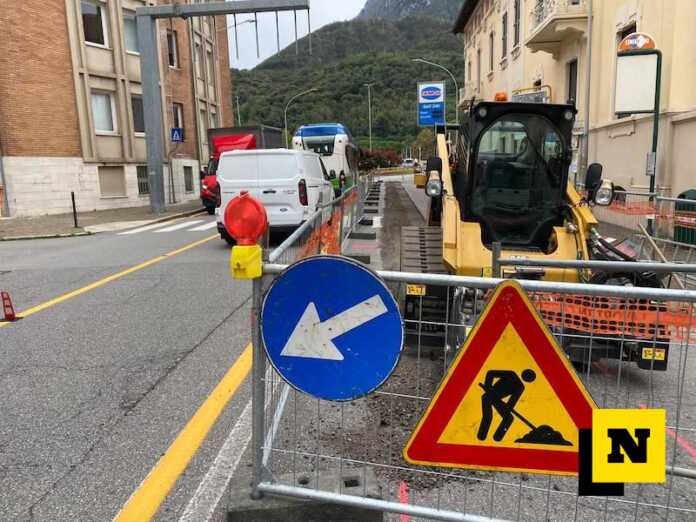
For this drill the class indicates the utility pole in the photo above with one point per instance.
(369, 109)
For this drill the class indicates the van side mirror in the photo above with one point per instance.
(593, 179)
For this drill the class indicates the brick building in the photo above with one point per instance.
(71, 113)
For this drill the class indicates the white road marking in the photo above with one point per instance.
(207, 226)
(205, 500)
(313, 338)
(143, 229)
(179, 226)
(377, 222)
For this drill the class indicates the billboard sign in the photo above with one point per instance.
(431, 104)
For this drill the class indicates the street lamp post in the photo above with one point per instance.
(369, 109)
(456, 85)
(286, 111)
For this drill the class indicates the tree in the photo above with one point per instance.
(424, 144)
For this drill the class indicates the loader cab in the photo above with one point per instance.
(513, 171)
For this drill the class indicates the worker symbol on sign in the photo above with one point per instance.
(500, 385)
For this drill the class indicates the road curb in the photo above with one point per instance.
(86, 233)
(45, 236)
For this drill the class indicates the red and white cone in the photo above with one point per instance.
(7, 307)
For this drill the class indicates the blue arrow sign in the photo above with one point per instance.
(331, 328)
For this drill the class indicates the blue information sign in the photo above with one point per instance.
(431, 104)
(177, 135)
(331, 328)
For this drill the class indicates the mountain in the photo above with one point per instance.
(445, 10)
(346, 55)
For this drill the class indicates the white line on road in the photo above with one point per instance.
(377, 222)
(142, 229)
(207, 226)
(179, 226)
(207, 497)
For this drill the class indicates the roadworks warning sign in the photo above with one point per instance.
(509, 402)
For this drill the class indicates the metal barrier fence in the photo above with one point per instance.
(351, 453)
(673, 218)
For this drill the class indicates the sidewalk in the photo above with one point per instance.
(90, 222)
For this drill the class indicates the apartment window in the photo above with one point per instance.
(478, 69)
(516, 23)
(138, 114)
(178, 115)
(491, 43)
(130, 33)
(172, 49)
(505, 35)
(112, 182)
(104, 112)
(188, 179)
(211, 68)
(143, 180)
(94, 23)
(573, 82)
(199, 61)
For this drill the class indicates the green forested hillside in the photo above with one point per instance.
(344, 57)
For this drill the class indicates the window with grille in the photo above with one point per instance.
(143, 180)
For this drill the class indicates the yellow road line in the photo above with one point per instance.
(106, 280)
(147, 499)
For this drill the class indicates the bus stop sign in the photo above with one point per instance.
(331, 328)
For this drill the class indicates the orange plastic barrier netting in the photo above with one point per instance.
(326, 239)
(633, 208)
(618, 317)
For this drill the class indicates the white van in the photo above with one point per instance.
(290, 184)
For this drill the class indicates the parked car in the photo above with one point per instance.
(290, 184)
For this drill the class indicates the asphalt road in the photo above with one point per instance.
(97, 387)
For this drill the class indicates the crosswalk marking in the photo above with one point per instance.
(179, 226)
(142, 229)
(207, 226)
(196, 225)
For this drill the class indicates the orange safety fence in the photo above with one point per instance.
(326, 239)
(663, 211)
(629, 318)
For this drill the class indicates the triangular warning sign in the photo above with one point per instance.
(510, 401)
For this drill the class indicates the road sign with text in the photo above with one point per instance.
(431, 104)
(331, 328)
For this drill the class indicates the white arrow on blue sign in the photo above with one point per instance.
(331, 328)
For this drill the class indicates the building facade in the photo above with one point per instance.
(71, 108)
(527, 47)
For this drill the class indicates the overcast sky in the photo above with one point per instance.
(322, 12)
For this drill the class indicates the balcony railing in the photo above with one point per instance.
(545, 9)
(553, 21)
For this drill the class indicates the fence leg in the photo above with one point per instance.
(258, 389)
